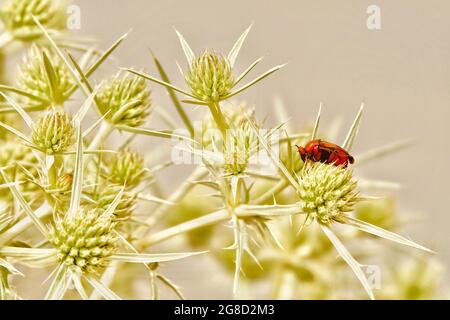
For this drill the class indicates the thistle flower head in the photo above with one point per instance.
(416, 278)
(125, 100)
(327, 191)
(54, 132)
(239, 147)
(17, 17)
(126, 205)
(210, 77)
(84, 239)
(127, 168)
(13, 153)
(43, 74)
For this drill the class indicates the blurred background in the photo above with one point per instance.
(401, 72)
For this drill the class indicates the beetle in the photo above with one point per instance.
(326, 152)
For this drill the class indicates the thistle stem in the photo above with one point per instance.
(198, 174)
(105, 130)
(268, 195)
(5, 39)
(285, 283)
(219, 118)
(206, 220)
(52, 171)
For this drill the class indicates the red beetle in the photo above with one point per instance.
(326, 152)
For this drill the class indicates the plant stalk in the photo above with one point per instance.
(5, 39)
(219, 118)
(198, 174)
(206, 220)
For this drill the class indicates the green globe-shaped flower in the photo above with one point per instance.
(240, 146)
(127, 203)
(54, 132)
(84, 239)
(210, 77)
(125, 100)
(127, 169)
(12, 154)
(33, 78)
(17, 17)
(327, 191)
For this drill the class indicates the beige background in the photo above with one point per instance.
(402, 72)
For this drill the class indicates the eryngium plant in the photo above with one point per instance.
(78, 201)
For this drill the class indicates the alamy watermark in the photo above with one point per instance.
(73, 17)
(241, 149)
(373, 21)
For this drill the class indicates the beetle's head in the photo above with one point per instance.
(302, 152)
(351, 159)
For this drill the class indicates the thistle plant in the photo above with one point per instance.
(79, 201)
(210, 78)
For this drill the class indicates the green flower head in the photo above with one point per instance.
(54, 132)
(210, 77)
(84, 239)
(12, 154)
(124, 100)
(17, 17)
(327, 191)
(127, 168)
(239, 147)
(126, 205)
(44, 74)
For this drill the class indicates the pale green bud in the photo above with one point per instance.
(83, 236)
(125, 100)
(327, 191)
(33, 78)
(240, 146)
(210, 77)
(13, 153)
(127, 203)
(17, 17)
(127, 168)
(54, 132)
